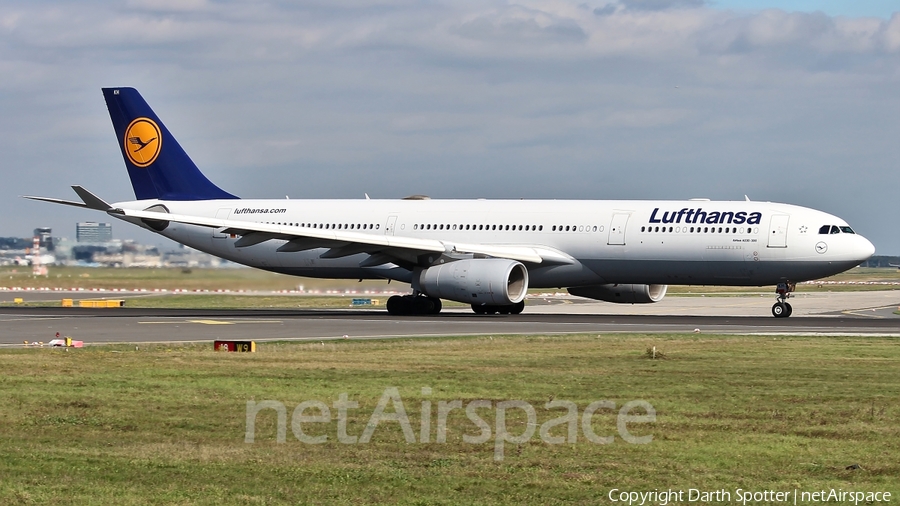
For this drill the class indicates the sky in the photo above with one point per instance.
(792, 102)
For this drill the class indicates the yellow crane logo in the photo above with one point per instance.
(143, 141)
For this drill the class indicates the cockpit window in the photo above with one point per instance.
(834, 229)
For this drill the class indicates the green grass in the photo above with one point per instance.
(174, 278)
(165, 424)
(255, 279)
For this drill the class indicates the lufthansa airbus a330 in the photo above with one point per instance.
(486, 253)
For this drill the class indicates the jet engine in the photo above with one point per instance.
(494, 281)
(622, 294)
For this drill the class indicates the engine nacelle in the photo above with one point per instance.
(622, 294)
(495, 281)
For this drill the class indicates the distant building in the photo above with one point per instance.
(93, 232)
(44, 233)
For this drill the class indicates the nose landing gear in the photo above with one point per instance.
(782, 309)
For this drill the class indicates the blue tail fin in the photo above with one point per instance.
(157, 166)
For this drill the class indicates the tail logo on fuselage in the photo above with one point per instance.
(143, 141)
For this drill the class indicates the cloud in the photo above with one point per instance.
(661, 5)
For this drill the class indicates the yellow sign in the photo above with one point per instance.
(143, 141)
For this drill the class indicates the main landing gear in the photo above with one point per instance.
(782, 309)
(413, 305)
(489, 309)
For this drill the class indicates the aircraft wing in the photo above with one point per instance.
(381, 248)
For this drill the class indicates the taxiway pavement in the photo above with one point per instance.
(838, 313)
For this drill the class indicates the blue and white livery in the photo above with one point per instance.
(486, 253)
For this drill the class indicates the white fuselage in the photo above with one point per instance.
(694, 242)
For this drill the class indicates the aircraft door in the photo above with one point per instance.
(778, 228)
(617, 229)
(389, 226)
(221, 214)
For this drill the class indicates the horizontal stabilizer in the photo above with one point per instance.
(55, 201)
(89, 200)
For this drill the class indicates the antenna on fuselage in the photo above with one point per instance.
(747, 198)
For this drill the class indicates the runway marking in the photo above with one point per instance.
(822, 334)
(33, 319)
(211, 322)
(866, 311)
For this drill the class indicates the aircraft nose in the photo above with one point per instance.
(865, 249)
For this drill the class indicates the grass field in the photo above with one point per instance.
(255, 279)
(166, 425)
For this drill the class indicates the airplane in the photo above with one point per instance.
(486, 253)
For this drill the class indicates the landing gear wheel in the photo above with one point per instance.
(413, 305)
(395, 305)
(779, 310)
(789, 309)
(504, 309)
